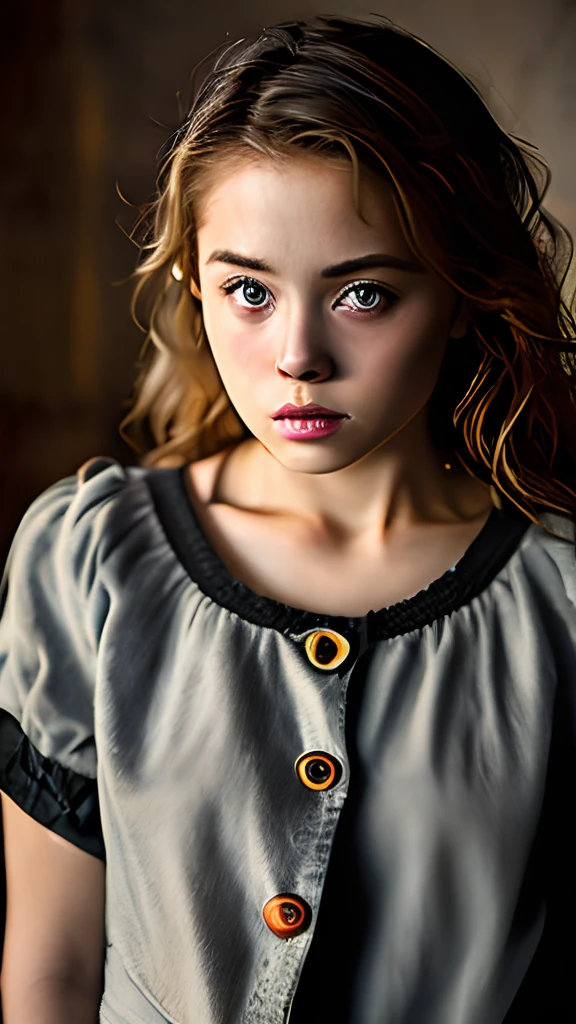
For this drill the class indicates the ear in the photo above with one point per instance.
(195, 290)
(460, 318)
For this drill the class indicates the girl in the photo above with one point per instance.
(301, 678)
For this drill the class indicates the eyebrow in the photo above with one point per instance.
(375, 259)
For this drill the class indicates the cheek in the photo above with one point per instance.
(401, 369)
(241, 355)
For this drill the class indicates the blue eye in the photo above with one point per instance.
(248, 285)
(366, 292)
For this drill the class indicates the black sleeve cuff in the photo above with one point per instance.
(57, 797)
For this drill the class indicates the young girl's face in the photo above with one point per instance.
(304, 302)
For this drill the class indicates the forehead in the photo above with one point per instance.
(262, 201)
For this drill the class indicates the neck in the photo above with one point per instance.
(401, 483)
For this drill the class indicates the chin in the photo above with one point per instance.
(312, 457)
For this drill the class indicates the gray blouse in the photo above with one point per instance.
(293, 807)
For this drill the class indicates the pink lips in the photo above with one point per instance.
(301, 412)
(307, 422)
(308, 428)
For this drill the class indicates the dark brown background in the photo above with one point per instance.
(83, 85)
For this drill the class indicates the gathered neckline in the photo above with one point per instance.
(485, 556)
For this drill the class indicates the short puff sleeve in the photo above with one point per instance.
(52, 612)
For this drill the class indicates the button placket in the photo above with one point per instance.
(288, 915)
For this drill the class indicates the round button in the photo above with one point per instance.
(287, 915)
(318, 770)
(326, 648)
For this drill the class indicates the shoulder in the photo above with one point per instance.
(559, 526)
(95, 482)
(73, 498)
(71, 523)
(550, 548)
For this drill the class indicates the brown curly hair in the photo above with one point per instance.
(469, 198)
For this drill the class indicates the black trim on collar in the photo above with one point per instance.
(57, 797)
(483, 560)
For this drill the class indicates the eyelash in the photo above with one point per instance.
(232, 286)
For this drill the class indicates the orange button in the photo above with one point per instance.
(287, 915)
(326, 648)
(318, 770)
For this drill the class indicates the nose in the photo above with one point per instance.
(303, 354)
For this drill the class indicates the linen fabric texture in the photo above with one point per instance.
(153, 708)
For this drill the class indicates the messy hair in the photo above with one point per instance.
(469, 200)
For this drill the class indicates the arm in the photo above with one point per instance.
(52, 969)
